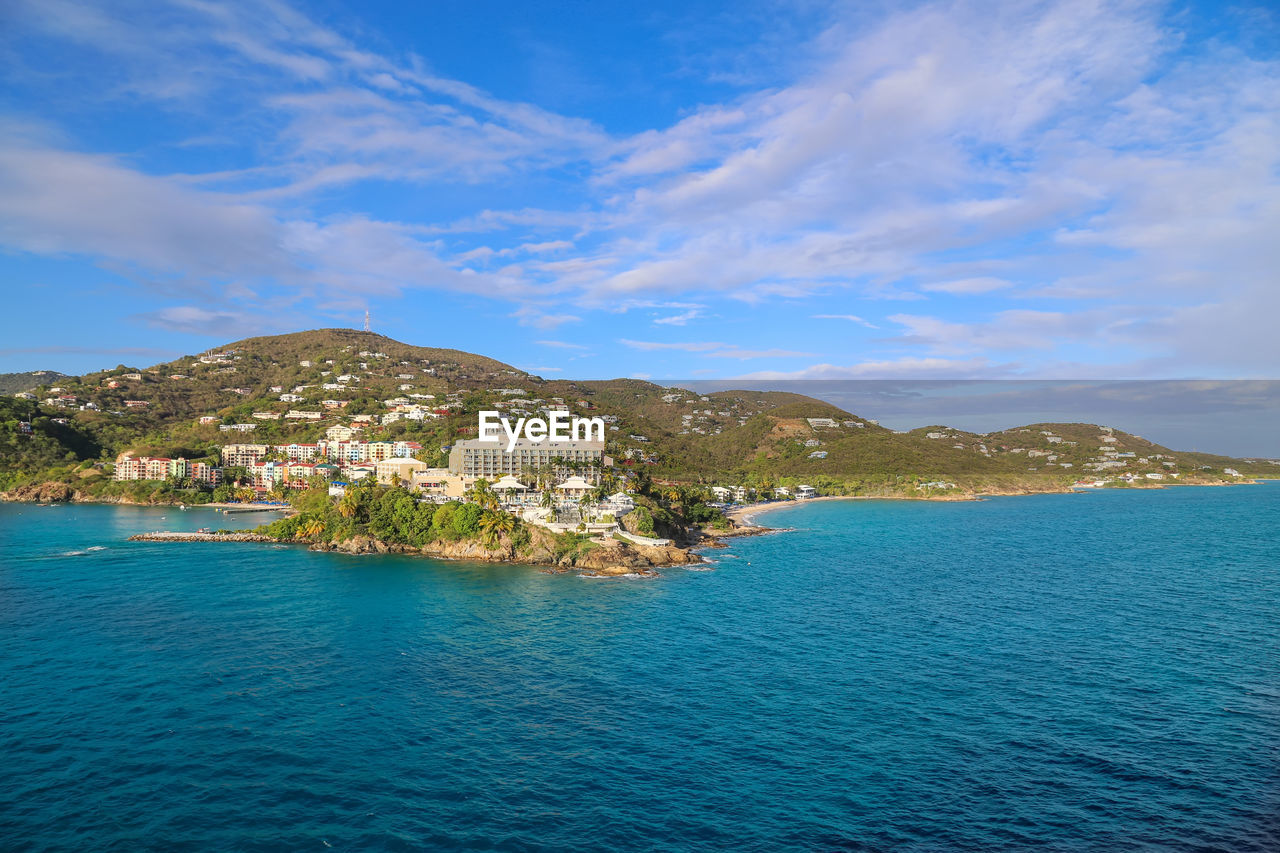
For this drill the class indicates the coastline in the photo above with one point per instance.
(614, 559)
(746, 515)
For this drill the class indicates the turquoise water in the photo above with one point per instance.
(1070, 672)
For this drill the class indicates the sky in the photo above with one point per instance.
(795, 190)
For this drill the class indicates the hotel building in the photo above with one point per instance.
(474, 459)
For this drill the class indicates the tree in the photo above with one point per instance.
(483, 495)
(312, 527)
(349, 505)
(493, 524)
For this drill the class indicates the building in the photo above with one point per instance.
(574, 487)
(618, 504)
(205, 473)
(300, 452)
(473, 459)
(397, 469)
(150, 468)
(340, 433)
(438, 483)
(805, 492)
(244, 454)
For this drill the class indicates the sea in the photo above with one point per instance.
(1082, 672)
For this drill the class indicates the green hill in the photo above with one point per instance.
(12, 383)
(726, 437)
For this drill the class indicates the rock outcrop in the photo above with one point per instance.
(42, 493)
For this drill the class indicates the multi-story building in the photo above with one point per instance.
(300, 452)
(205, 473)
(340, 433)
(151, 468)
(244, 454)
(266, 475)
(473, 459)
(398, 469)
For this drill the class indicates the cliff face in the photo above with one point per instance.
(41, 493)
(55, 492)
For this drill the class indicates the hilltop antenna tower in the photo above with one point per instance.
(366, 319)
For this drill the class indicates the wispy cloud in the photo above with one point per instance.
(138, 352)
(712, 349)
(852, 318)
(967, 285)
(1069, 179)
(679, 346)
(561, 345)
(680, 319)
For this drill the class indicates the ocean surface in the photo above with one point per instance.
(1069, 672)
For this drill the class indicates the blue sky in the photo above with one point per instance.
(773, 190)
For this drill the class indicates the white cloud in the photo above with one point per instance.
(540, 319)
(1083, 153)
(967, 285)
(904, 368)
(560, 345)
(746, 354)
(711, 349)
(655, 346)
(680, 319)
(852, 318)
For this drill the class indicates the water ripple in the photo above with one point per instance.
(1063, 673)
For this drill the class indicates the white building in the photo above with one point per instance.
(473, 459)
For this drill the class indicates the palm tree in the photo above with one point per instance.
(349, 505)
(586, 503)
(483, 495)
(493, 524)
(312, 528)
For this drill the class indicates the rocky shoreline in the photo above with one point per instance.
(57, 493)
(611, 560)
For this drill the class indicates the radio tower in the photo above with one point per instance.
(366, 320)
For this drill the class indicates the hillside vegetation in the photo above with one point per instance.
(751, 438)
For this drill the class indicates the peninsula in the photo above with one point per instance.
(377, 445)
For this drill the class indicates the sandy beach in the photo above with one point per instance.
(746, 515)
(243, 507)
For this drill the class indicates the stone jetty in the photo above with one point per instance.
(172, 536)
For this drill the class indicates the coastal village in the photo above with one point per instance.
(338, 409)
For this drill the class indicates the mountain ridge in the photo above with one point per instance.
(754, 438)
